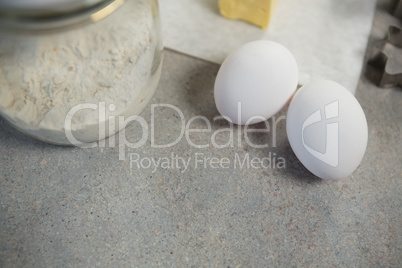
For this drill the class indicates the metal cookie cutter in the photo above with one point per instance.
(387, 59)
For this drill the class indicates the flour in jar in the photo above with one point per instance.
(43, 76)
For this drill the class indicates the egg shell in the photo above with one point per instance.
(255, 82)
(327, 129)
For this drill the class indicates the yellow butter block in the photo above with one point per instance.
(258, 12)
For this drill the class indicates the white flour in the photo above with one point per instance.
(43, 76)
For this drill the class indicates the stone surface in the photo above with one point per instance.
(65, 206)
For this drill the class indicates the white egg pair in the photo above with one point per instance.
(325, 124)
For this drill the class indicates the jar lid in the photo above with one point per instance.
(46, 5)
(43, 15)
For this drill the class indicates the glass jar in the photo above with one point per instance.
(69, 68)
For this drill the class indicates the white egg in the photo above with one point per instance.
(327, 129)
(255, 82)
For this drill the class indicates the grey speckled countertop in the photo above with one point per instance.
(62, 206)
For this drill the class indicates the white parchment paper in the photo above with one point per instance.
(327, 37)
